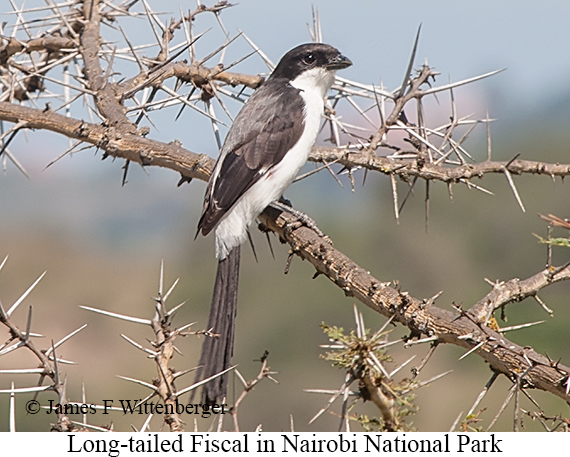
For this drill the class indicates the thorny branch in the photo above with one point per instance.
(73, 39)
(433, 172)
(162, 352)
(248, 386)
(47, 358)
(461, 329)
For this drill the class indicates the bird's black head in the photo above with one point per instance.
(308, 56)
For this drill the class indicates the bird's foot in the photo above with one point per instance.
(302, 218)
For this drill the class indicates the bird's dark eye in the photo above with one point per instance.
(309, 59)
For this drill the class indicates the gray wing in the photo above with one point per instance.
(268, 125)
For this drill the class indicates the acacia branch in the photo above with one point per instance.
(196, 165)
(47, 43)
(195, 73)
(49, 367)
(105, 97)
(432, 172)
(399, 104)
(114, 143)
(420, 316)
(516, 290)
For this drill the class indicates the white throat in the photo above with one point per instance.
(317, 80)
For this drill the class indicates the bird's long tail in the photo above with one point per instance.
(217, 352)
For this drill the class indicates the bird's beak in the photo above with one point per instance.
(338, 63)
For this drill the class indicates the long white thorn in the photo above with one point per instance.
(24, 295)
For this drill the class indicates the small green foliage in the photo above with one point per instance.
(369, 424)
(353, 349)
(364, 357)
(468, 424)
(564, 242)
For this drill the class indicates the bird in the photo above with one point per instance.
(264, 150)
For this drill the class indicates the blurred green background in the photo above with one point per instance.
(102, 244)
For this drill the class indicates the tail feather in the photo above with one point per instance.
(217, 352)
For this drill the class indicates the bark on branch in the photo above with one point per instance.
(407, 168)
(421, 316)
